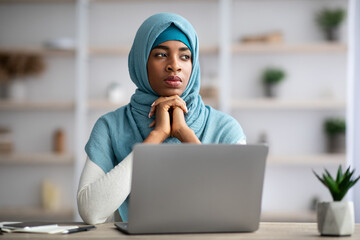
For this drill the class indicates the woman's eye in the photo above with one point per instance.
(186, 57)
(160, 54)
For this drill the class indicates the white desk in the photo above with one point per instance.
(275, 231)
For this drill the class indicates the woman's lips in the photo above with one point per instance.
(173, 81)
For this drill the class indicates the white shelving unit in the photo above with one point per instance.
(6, 105)
(33, 120)
(219, 57)
(29, 159)
(282, 104)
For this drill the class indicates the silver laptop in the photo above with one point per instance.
(190, 188)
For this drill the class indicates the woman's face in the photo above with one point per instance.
(169, 68)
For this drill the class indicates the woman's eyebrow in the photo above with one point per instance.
(167, 48)
(161, 47)
(184, 49)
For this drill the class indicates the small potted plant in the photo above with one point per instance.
(335, 129)
(15, 67)
(336, 218)
(329, 21)
(271, 77)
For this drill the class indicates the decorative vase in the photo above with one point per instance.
(331, 34)
(17, 90)
(4, 90)
(270, 90)
(336, 143)
(335, 218)
(115, 93)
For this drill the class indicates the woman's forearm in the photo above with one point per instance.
(187, 136)
(100, 194)
(156, 137)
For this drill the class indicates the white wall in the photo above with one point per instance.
(115, 23)
(353, 113)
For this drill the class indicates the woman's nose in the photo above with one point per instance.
(173, 65)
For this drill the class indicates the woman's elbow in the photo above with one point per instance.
(88, 213)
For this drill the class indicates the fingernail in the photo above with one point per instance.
(153, 104)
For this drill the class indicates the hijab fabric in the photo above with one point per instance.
(115, 133)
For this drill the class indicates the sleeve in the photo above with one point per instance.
(99, 146)
(100, 194)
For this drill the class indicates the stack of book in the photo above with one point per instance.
(41, 227)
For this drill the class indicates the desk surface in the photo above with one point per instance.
(276, 231)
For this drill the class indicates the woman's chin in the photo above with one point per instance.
(171, 92)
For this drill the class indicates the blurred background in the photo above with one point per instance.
(279, 67)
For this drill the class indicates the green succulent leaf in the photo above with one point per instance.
(339, 186)
(339, 174)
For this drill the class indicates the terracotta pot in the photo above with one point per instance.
(335, 218)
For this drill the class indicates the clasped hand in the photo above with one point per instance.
(170, 120)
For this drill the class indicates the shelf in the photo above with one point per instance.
(37, 1)
(153, 0)
(290, 48)
(32, 213)
(282, 104)
(36, 159)
(103, 104)
(8, 105)
(308, 160)
(300, 216)
(124, 50)
(237, 48)
(38, 50)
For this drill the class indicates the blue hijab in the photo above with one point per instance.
(115, 133)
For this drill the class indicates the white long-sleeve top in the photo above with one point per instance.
(100, 194)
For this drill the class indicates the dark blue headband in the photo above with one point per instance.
(172, 33)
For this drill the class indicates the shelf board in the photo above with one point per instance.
(36, 159)
(153, 0)
(124, 50)
(104, 104)
(205, 49)
(38, 50)
(282, 104)
(37, 1)
(6, 105)
(35, 213)
(290, 48)
(308, 160)
(113, 51)
(294, 216)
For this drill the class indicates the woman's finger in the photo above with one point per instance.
(172, 101)
(152, 124)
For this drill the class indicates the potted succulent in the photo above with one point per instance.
(329, 21)
(271, 77)
(336, 218)
(335, 129)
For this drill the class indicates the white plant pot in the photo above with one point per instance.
(335, 218)
(17, 90)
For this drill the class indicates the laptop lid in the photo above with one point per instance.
(178, 188)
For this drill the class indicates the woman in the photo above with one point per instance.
(165, 108)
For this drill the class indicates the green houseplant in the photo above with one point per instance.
(337, 217)
(335, 129)
(329, 21)
(270, 78)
